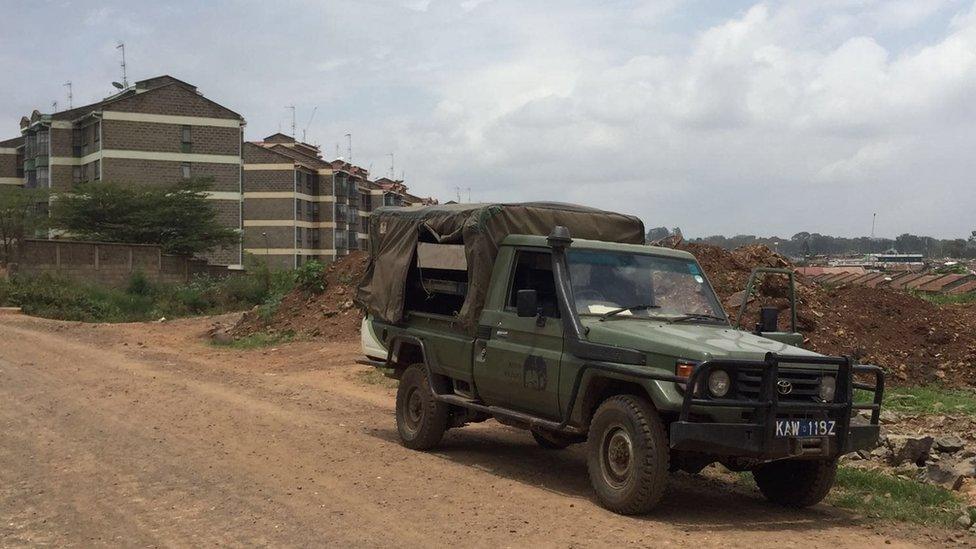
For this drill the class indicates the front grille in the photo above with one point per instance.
(804, 385)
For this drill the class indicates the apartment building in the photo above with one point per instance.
(299, 206)
(12, 162)
(159, 131)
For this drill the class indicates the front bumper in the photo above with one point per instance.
(756, 438)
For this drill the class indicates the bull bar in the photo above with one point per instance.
(757, 438)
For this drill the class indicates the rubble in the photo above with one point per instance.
(916, 341)
(907, 448)
(330, 314)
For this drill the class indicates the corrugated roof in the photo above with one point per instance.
(965, 288)
(924, 279)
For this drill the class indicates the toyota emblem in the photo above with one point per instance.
(784, 387)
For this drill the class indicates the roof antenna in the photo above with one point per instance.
(125, 81)
(349, 147)
(292, 107)
(392, 172)
(70, 95)
(54, 105)
(310, 118)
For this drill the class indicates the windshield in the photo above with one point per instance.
(654, 286)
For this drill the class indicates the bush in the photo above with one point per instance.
(309, 277)
(60, 298)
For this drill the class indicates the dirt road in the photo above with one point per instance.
(146, 435)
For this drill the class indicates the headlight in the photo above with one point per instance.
(827, 387)
(719, 383)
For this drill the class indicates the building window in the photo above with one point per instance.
(76, 174)
(186, 139)
(309, 210)
(340, 240)
(298, 208)
(43, 142)
(43, 178)
(316, 240)
(365, 224)
(97, 166)
(298, 237)
(185, 172)
(97, 134)
(315, 210)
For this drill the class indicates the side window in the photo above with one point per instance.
(533, 271)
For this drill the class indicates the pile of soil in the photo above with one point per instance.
(331, 314)
(913, 339)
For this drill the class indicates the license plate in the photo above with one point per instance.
(805, 427)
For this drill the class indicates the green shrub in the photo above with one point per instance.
(309, 277)
(139, 284)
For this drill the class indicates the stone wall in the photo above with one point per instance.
(110, 264)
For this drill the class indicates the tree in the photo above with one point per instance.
(22, 213)
(177, 217)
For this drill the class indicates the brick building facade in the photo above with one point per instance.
(12, 162)
(299, 206)
(159, 131)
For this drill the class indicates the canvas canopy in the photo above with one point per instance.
(395, 232)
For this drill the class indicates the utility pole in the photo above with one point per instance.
(125, 80)
(874, 217)
(70, 95)
(349, 148)
(292, 107)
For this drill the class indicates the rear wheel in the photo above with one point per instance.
(796, 483)
(421, 420)
(627, 455)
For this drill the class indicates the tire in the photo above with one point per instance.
(550, 441)
(421, 420)
(627, 455)
(796, 483)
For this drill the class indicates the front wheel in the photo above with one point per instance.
(421, 420)
(627, 455)
(796, 483)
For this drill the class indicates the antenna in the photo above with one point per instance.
(54, 105)
(292, 107)
(392, 172)
(874, 217)
(310, 118)
(469, 195)
(458, 191)
(125, 81)
(349, 147)
(70, 95)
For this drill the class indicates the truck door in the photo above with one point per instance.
(519, 368)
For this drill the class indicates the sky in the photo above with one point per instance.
(719, 117)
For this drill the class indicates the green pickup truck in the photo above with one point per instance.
(558, 319)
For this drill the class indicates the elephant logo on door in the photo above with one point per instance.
(534, 373)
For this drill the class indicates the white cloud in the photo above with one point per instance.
(771, 117)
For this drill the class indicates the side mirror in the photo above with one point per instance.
(527, 303)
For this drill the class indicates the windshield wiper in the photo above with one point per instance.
(695, 316)
(642, 307)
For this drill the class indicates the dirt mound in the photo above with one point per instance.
(330, 314)
(915, 340)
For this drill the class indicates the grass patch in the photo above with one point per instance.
(929, 399)
(947, 299)
(141, 299)
(882, 496)
(257, 340)
(374, 376)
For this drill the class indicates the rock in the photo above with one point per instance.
(887, 416)
(949, 444)
(913, 449)
(941, 474)
(964, 520)
(222, 338)
(881, 453)
(966, 468)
